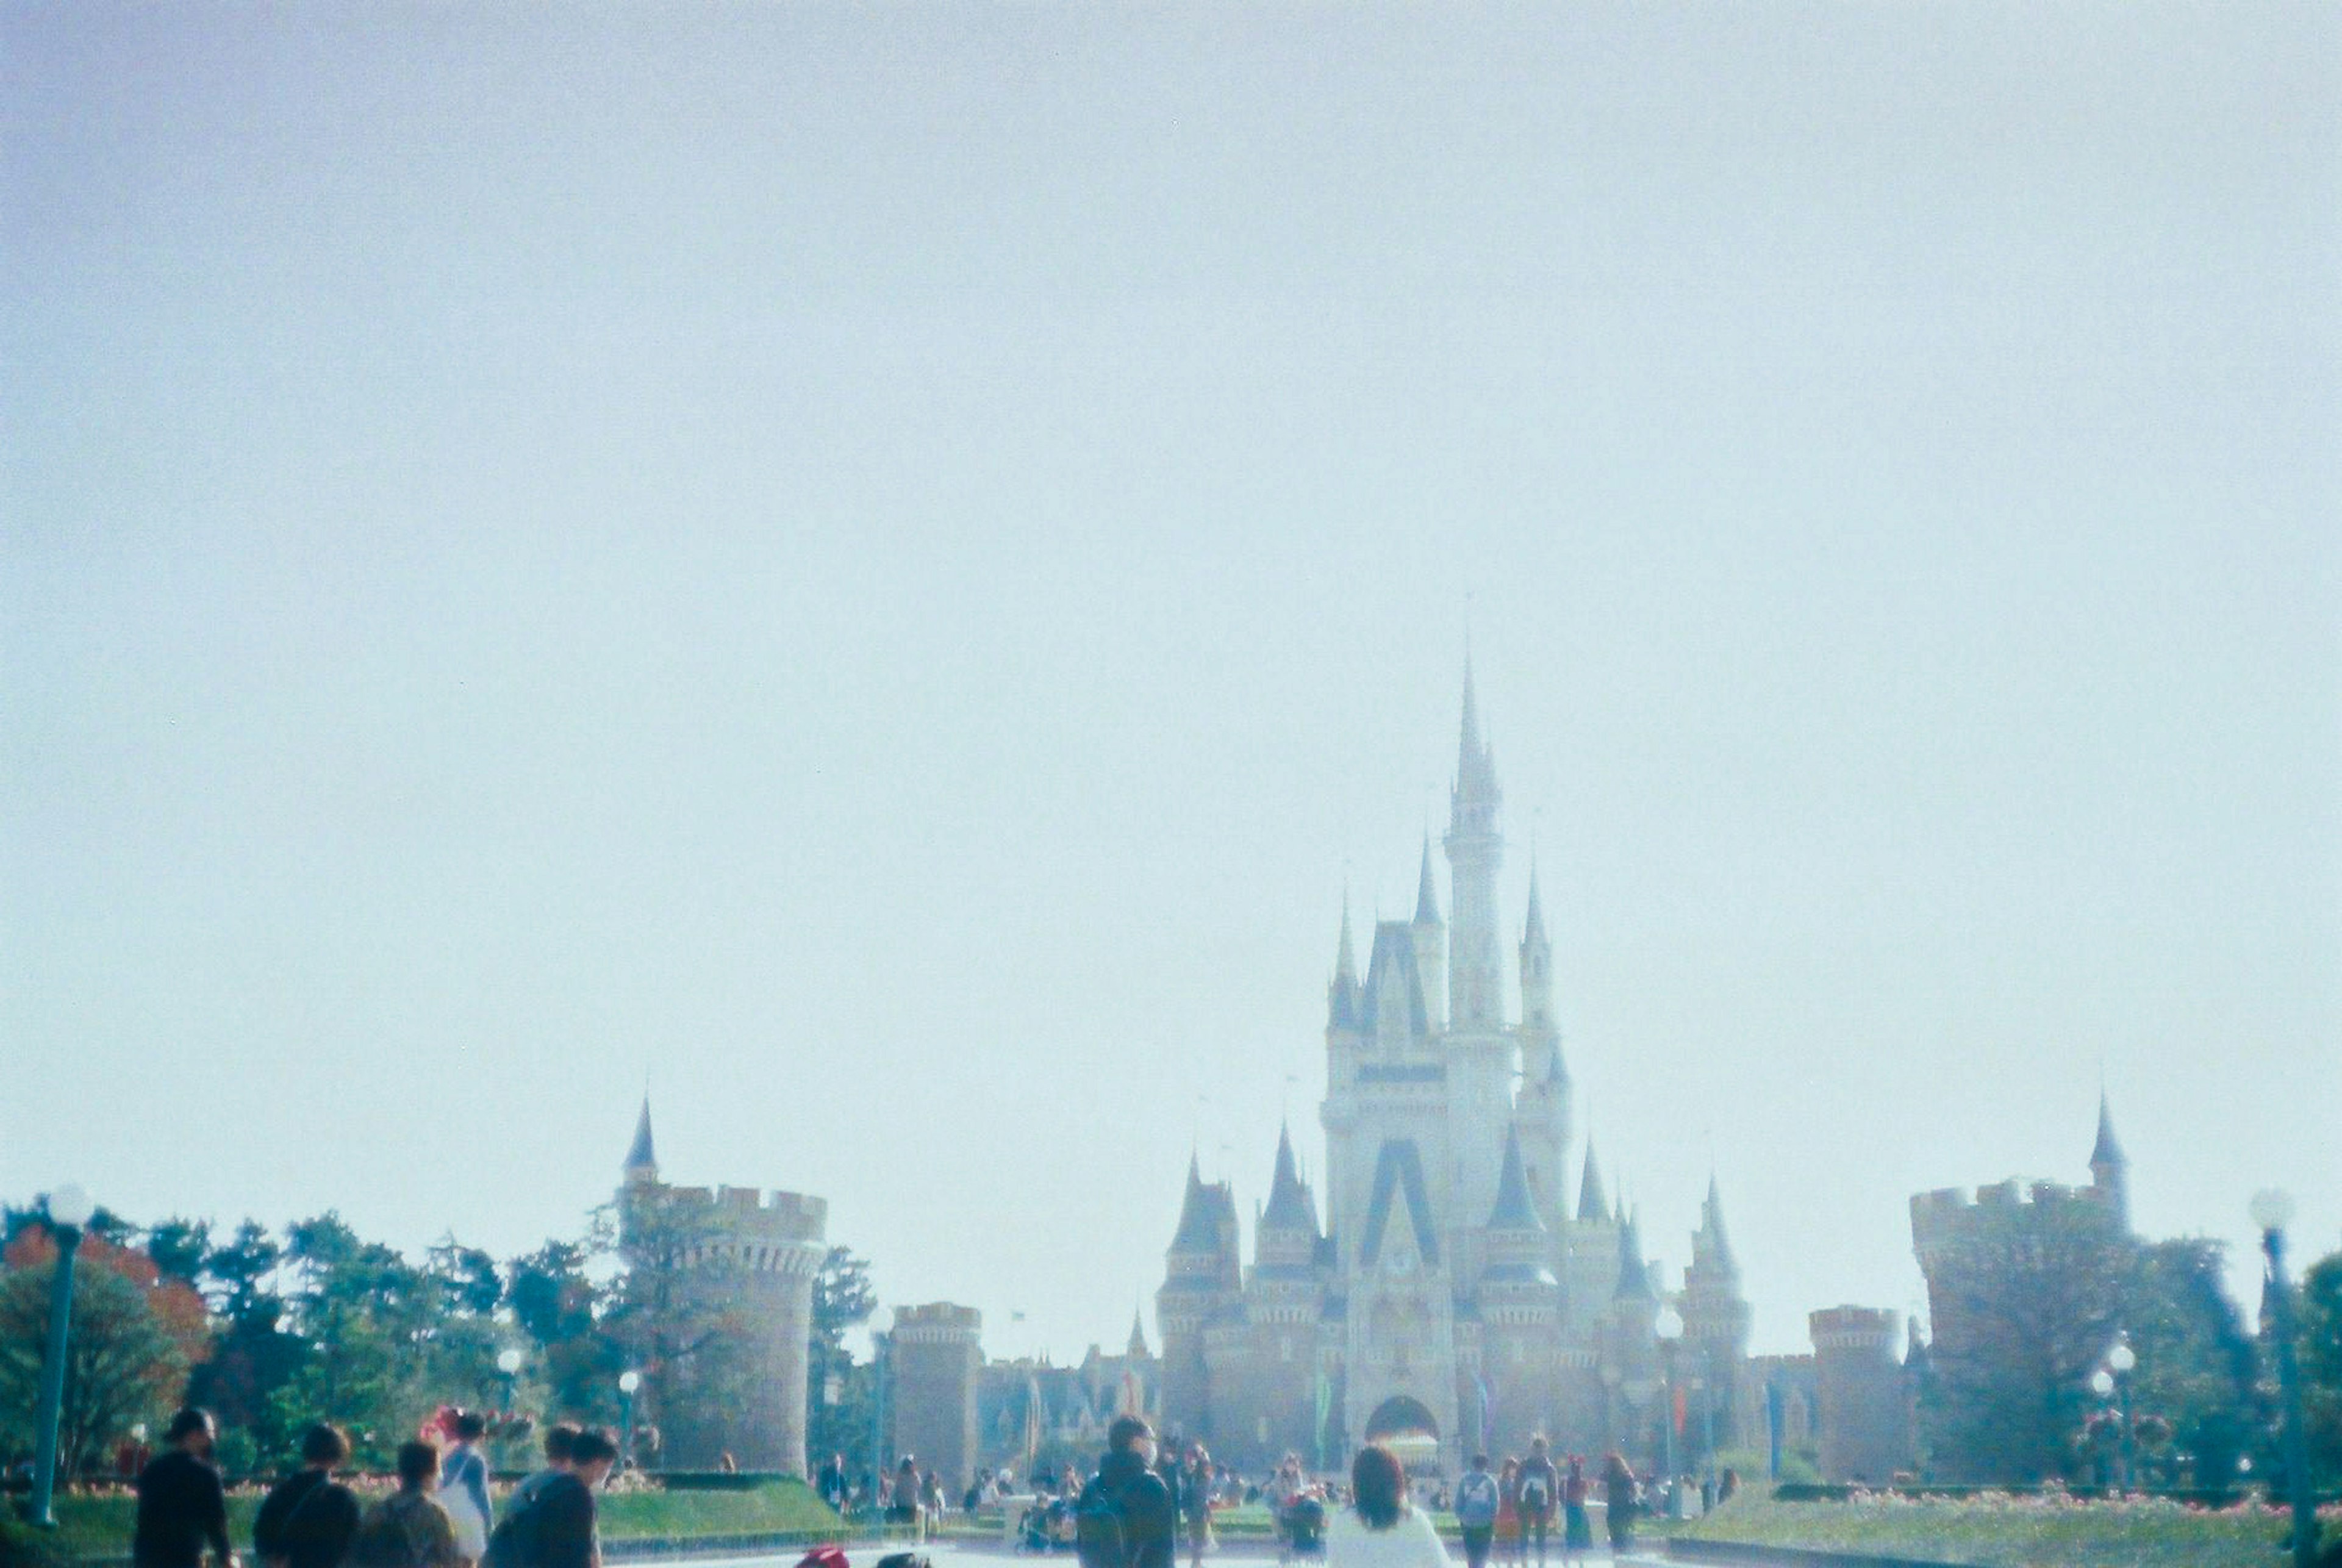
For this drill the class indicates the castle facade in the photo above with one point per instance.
(1458, 1294)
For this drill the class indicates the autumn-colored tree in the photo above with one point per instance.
(134, 1335)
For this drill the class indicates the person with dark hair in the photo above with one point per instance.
(409, 1529)
(1195, 1502)
(182, 1506)
(464, 1485)
(1577, 1531)
(1618, 1501)
(1382, 1528)
(1477, 1502)
(548, 1520)
(1126, 1517)
(1540, 1490)
(307, 1519)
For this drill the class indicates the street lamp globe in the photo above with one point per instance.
(71, 1205)
(629, 1381)
(2122, 1358)
(2272, 1208)
(1669, 1325)
(508, 1362)
(2102, 1382)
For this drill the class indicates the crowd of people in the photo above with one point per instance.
(439, 1515)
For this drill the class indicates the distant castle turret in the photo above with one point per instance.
(745, 1394)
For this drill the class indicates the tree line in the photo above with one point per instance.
(272, 1329)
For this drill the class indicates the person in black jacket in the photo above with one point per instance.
(182, 1507)
(308, 1520)
(1126, 1484)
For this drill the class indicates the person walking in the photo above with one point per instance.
(1618, 1501)
(1476, 1502)
(1195, 1502)
(182, 1506)
(1126, 1517)
(409, 1528)
(1577, 1529)
(1509, 1512)
(548, 1520)
(307, 1518)
(1540, 1488)
(462, 1493)
(1381, 1528)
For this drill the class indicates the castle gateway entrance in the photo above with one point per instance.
(1409, 1431)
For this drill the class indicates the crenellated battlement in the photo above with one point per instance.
(1951, 1216)
(743, 1215)
(1856, 1328)
(937, 1323)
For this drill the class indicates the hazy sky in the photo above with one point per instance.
(881, 566)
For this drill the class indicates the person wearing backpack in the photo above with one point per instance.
(1125, 1518)
(1540, 1489)
(409, 1528)
(307, 1519)
(1477, 1502)
(464, 1485)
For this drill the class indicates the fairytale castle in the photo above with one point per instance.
(1459, 1292)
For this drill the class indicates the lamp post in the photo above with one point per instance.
(629, 1382)
(2272, 1210)
(2101, 1384)
(1669, 1327)
(70, 1209)
(508, 1368)
(2120, 1362)
(877, 1426)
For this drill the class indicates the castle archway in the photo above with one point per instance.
(1401, 1417)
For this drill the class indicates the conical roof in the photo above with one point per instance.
(1634, 1275)
(1516, 1207)
(1593, 1206)
(1534, 935)
(1427, 893)
(1290, 1207)
(1138, 1346)
(640, 1154)
(1712, 1221)
(2107, 1151)
(1195, 1234)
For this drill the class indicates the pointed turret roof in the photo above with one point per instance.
(1711, 1219)
(1342, 991)
(1534, 933)
(640, 1154)
(1399, 1184)
(1555, 1072)
(1516, 1207)
(1426, 895)
(1633, 1274)
(1475, 760)
(1138, 1346)
(1195, 1233)
(1593, 1207)
(1289, 1204)
(2107, 1151)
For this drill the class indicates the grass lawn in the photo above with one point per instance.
(2011, 1530)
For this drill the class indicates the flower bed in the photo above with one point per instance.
(2017, 1529)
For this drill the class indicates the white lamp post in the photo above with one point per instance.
(70, 1208)
(508, 1364)
(630, 1382)
(1669, 1327)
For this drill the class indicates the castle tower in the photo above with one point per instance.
(754, 1256)
(1474, 852)
(1537, 1021)
(1865, 1412)
(1203, 1282)
(1430, 942)
(1716, 1316)
(1520, 1309)
(936, 1357)
(2110, 1168)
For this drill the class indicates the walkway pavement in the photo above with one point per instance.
(1236, 1554)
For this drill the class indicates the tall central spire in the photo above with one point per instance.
(1475, 851)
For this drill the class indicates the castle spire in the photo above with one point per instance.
(1342, 991)
(1138, 1346)
(1593, 1208)
(2107, 1151)
(1711, 1223)
(1289, 1205)
(2109, 1167)
(1634, 1274)
(1196, 1233)
(1426, 896)
(642, 1159)
(1474, 852)
(1535, 932)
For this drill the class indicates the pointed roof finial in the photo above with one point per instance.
(1712, 1220)
(1346, 958)
(1138, 1346)
(1534, 934)
(1289, 1206)
(1426, 895)
(641, 1158)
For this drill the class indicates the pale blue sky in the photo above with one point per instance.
(882, 566)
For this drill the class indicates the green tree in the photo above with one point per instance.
(178, 1248)
(2025, 1304)
(254, 1356)
(2195, 1356)
(2319, 1346)
(839, 1391)
(556, 1303)
(676, 1311)
(132, 1336)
